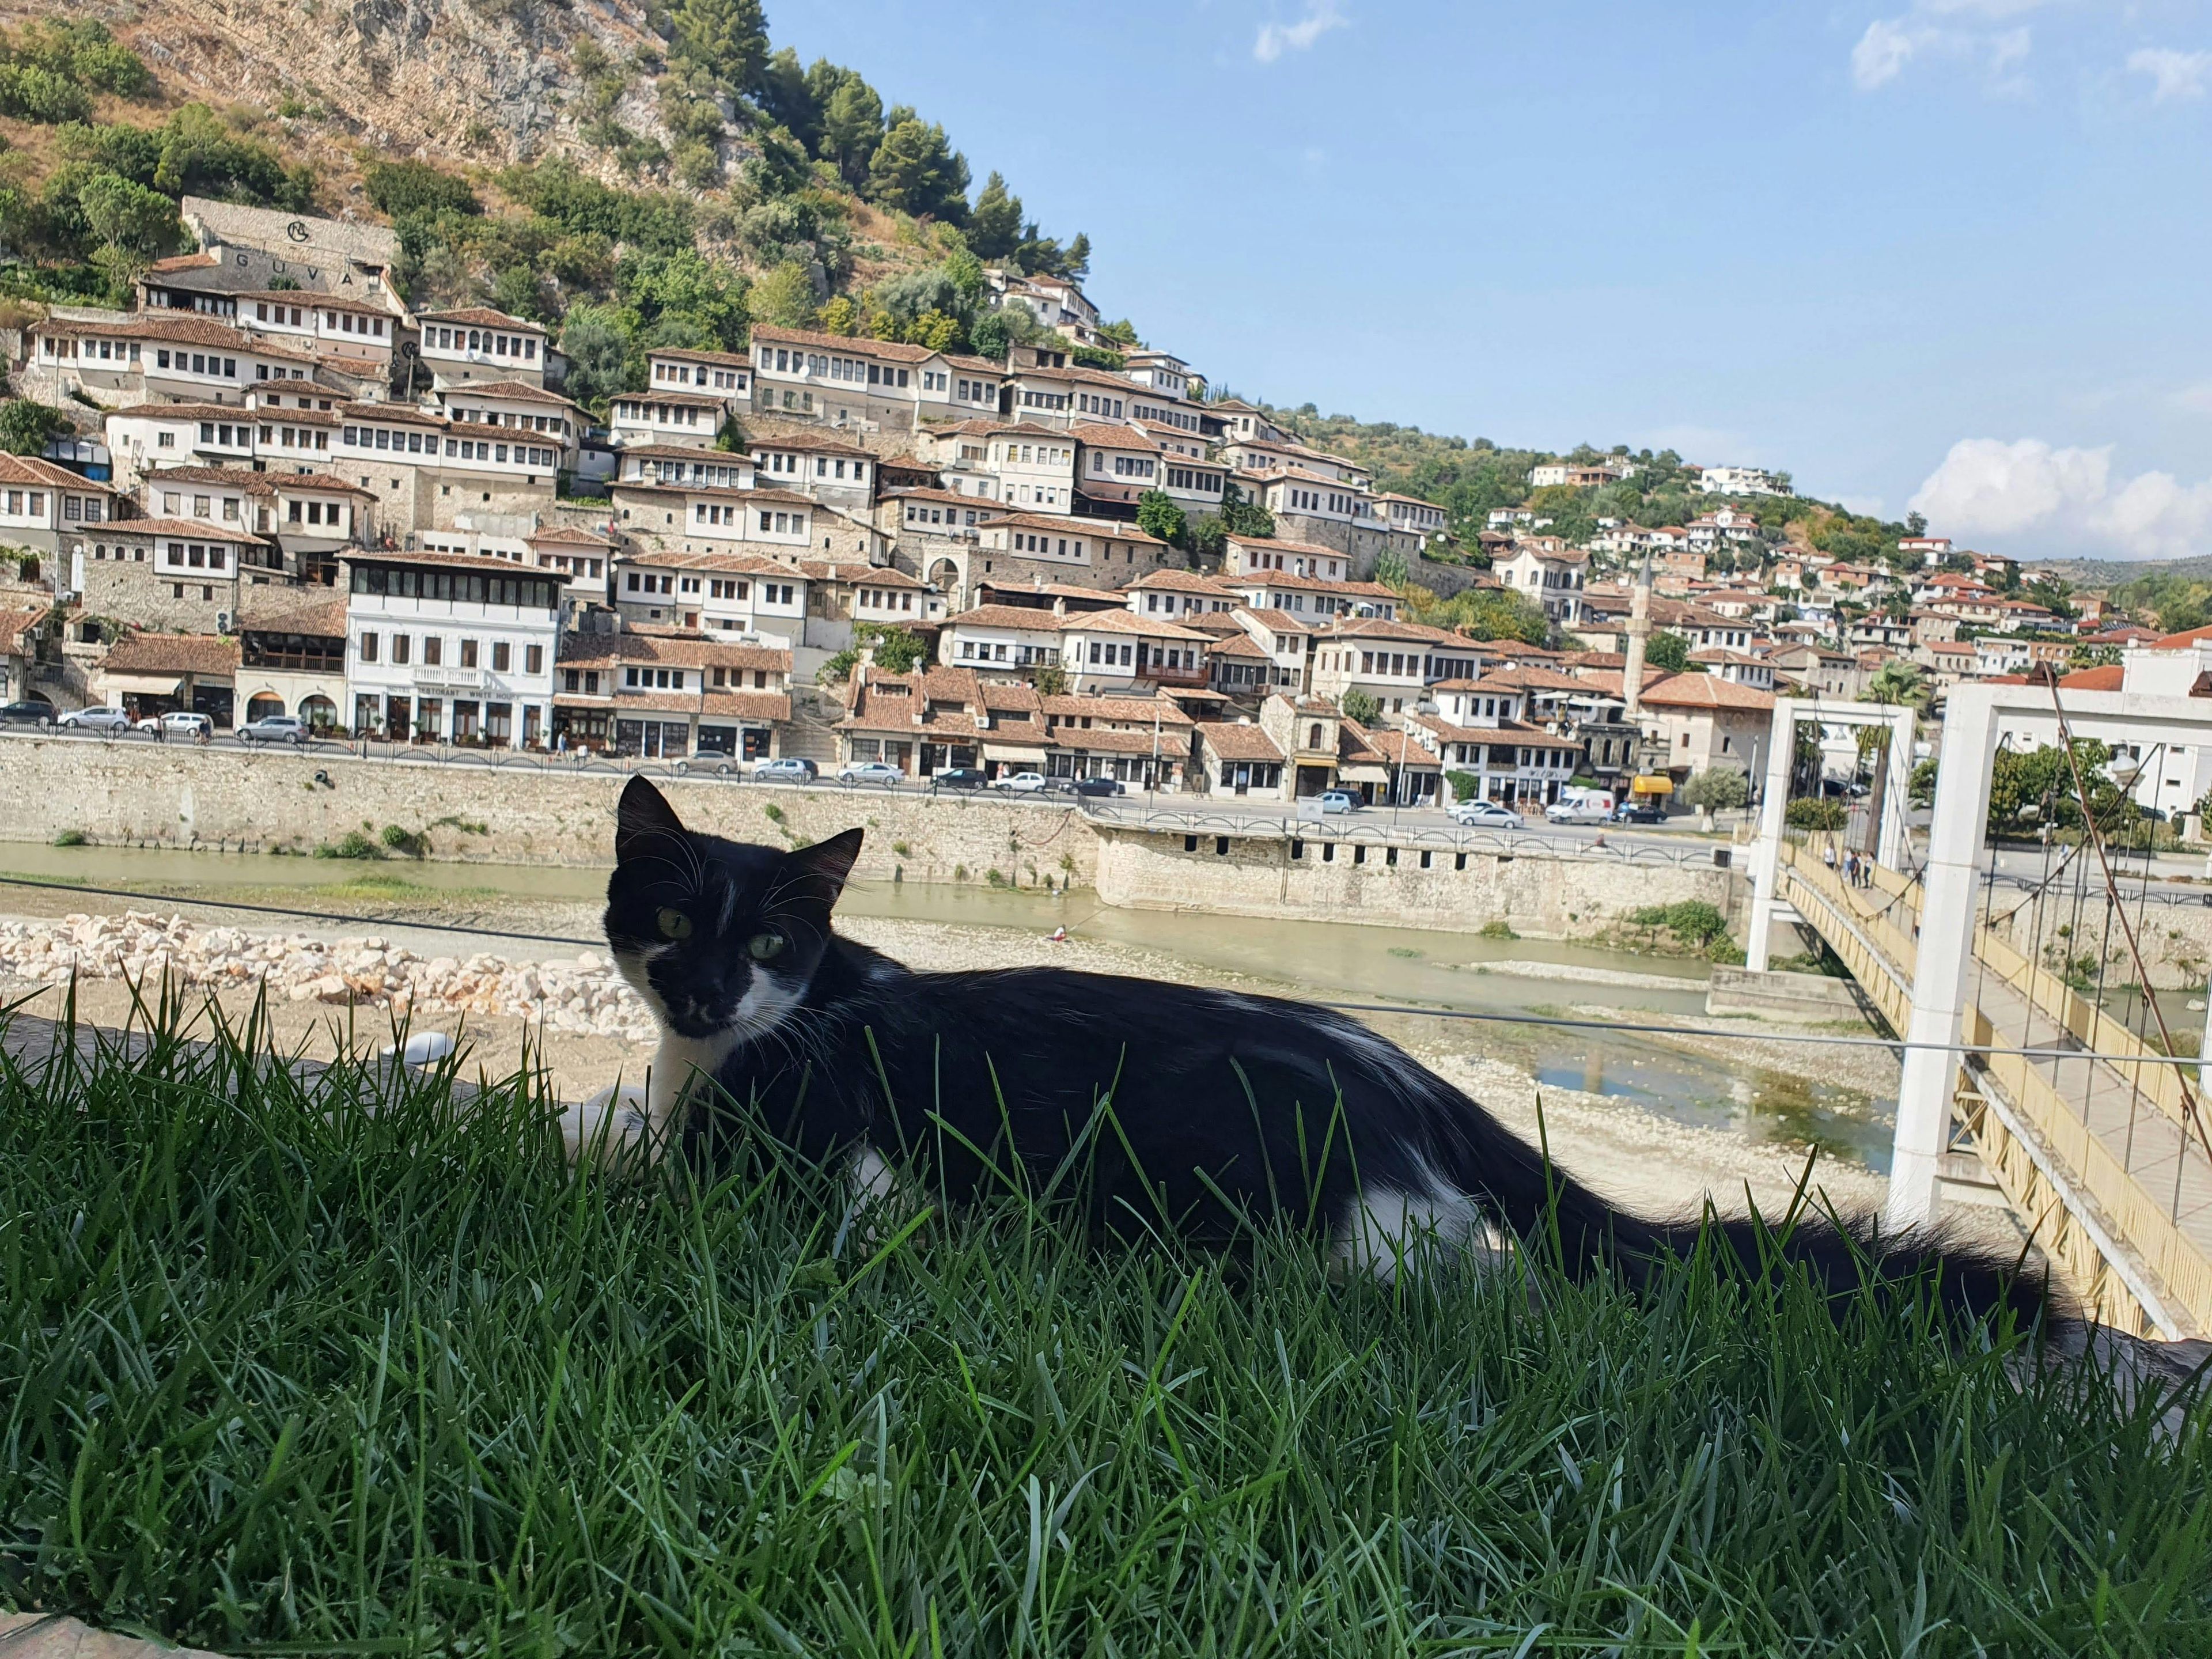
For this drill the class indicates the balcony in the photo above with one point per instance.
(1164, 674)
(442, 677)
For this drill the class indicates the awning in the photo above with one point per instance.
(1661, 785)
(144, 685)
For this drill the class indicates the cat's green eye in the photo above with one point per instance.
(674, 924)
(764, 947)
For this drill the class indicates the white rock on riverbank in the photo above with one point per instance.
(582, 995)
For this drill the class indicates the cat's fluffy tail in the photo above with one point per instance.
(1542, 1205)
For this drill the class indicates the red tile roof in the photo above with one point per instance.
(1234, 741)
(172, 654)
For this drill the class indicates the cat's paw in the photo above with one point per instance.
(881, 1202)
(611, 1126)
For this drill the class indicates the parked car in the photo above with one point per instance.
(177, 723)
(27, 714)
(1099, 786)
(881, 772)
(1340, 800)
(274, 728)
(791, 768)
(97, 719)
(1485, 815)
(1640, 811)
(960, 777)
(1021, 783)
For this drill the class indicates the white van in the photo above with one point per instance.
(1582, 806)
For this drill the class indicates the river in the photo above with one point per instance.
(1510, 982)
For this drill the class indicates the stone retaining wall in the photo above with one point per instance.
(174, 795)
(137, 793)
(1542, 897)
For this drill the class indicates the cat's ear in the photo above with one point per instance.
(819, 870)
(643, 817)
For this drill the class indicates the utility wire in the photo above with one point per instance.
(287, 910)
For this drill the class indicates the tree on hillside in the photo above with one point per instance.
(852, 127)
(994, 223)
(399, 188)
(1360, 706)
(991, 335)
(916, 170)
(724, 41)
(601, 358)
(132, 222)
(25, 426)
(682, 299)
(1242, 517)
(1158, 515)
(786, 99)
(785, 297)
(1668, 651)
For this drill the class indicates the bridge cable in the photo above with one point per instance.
(1817, 1039)
(2190, 1109)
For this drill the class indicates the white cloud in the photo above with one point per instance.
(1276, 38)
(2195, 399)
(1963, 31)
(1883, 51)
(1992, 10)
(2174, 74)
(1986, 486)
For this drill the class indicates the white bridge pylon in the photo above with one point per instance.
(1890, 839)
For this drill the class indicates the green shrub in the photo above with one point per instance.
(1693, 922)
(1499, 928)
(772, 812)
(410, 843)
(1815, 813)
(71, 838)
(1466, 786)
(353, 844)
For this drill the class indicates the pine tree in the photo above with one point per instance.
(852, 128)
(994, 223)
(786, 95)
(916, 170)
(724, 39)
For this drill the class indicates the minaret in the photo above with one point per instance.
(1639, 631)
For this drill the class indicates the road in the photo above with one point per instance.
(1677, 842)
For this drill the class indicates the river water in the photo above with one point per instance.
(1502, 980)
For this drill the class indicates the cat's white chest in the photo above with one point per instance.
(679, 1064)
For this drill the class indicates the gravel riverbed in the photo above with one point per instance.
(572, 1014)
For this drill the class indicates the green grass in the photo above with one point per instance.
(282, 1372)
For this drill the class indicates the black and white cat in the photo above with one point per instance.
(1225, 1109)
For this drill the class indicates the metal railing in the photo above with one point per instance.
(1375, 827)
(1878, 943)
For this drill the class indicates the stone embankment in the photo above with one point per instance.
(582, 995)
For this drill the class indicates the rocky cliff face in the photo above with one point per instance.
(487, 82)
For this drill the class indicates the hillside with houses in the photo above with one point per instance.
(743, 443)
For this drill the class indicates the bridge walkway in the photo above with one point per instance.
(2098, 1155)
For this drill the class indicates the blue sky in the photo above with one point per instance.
(1945, 252)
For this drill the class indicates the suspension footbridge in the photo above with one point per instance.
(2092, 1132)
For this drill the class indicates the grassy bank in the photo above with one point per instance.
(282, 1372)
